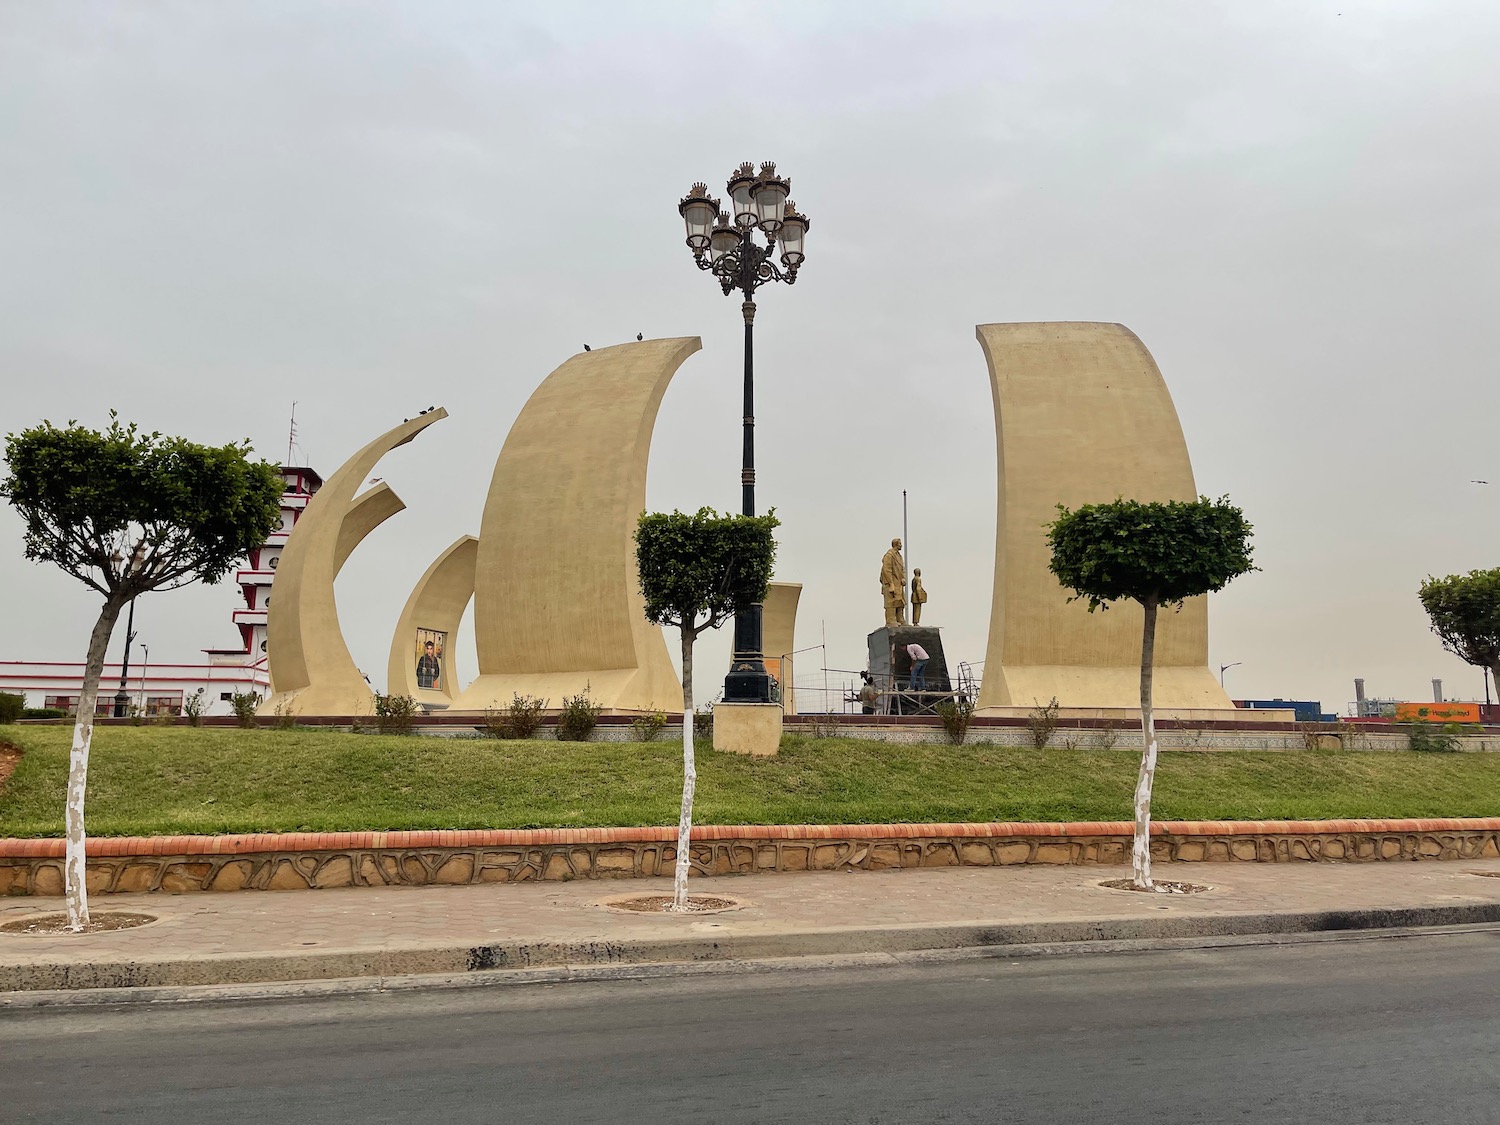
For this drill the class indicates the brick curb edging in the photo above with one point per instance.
(261, 842)
(314, 860)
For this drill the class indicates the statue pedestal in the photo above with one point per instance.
(891, 668)
(748, 728)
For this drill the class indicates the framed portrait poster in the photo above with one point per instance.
(432, 669)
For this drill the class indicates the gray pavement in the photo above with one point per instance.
(1335, 1032)
(375, 934)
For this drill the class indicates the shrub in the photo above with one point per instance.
(285, 719)
(1041, 722)
(1434, 739)
(244, 705)
(394, 714)
(1322, 736)
(823, 725)
(521, 720)
(579, 717)
(44, 713)
(646, 728)
(192, 707)
(703, 724)
(955, 714)
(164, 718)
(11, 706)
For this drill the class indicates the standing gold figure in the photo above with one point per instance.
(893, 585)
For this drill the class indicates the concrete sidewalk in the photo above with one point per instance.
(378, 933)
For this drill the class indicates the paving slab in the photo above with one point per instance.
(216, 939)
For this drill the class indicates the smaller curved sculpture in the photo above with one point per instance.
(431, 618)
(779, 637)
(311, 670)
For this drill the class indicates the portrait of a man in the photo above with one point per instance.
(430, 659)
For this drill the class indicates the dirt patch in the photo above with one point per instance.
(662, 904)
(48, 924)
(1158, 886)
(10, 758)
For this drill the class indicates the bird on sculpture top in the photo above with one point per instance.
(587, 348)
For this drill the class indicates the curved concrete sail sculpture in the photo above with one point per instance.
(557, 607)
(311, 670)
(1082, 415)
(433, 611)
(779, 638)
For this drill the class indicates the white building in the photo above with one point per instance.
(156, 686)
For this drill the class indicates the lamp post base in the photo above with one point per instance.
(748, 681)
(753, 729)
(747, 684)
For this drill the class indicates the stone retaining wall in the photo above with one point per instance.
(314, 860)
(1071, 734)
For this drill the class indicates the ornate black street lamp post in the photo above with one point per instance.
(727, 248)
(122, 697)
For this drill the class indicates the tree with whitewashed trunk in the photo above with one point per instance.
(127, 513)
(1157, 554)
(696, 572)
(1464, 610)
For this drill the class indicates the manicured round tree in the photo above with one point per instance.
(1157, 554)
(127, 513)
(1465, 613)
(696, 572)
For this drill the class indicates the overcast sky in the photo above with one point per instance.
(208, 211)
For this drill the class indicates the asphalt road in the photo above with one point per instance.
(1376, 1030)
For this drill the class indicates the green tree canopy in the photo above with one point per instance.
(126, 512)
(1153, 552)
(1465, 613)
(704, 565)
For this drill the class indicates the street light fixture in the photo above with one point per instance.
(1224, 668)
(727, 248)
(137, 558)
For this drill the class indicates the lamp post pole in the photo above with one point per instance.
(122, 697)
(1224, 668)
(728, 249)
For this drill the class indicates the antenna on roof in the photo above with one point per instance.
(291, 434)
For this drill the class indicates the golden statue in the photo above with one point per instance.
(893, 585)
(918, 596)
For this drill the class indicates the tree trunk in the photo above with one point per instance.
(1140, 852)
(689, 778)
(75, 862)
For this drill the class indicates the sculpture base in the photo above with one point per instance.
(890, 667)
(747, 728)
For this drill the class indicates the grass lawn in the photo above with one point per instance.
(150, 781)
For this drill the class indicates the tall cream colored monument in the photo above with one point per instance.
(1082, 415)
(557, 606)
